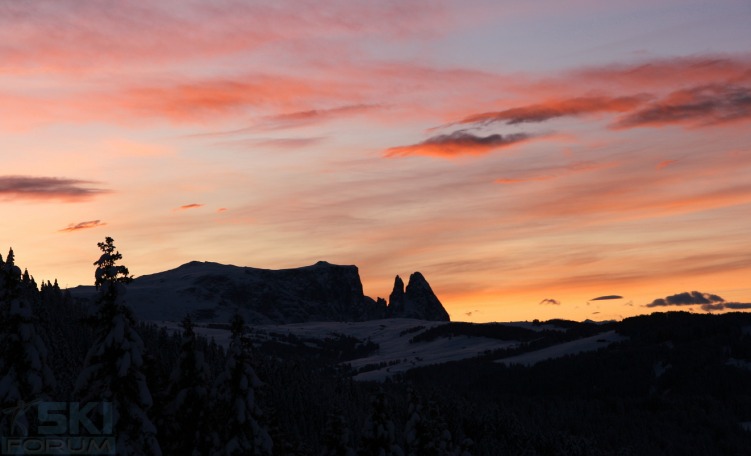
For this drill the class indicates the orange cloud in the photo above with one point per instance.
(711, 90)
(657, 74)
(665, 163)
(457, 144)
(47, 188)
(510, 181)
(209, 100)
(83, 226)
(189, 206)
(204, 100)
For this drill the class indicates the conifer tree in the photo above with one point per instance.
(25, 376)
(112, 370)
(414, 432)
(186, 416)
(426, 432)
(66, 341)
(236, 408)
(379, 438)
(336, 436)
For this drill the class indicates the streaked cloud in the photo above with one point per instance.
(659, 74)
(641, 94)
(726, 306)
(83, 226)
(553, 172)
(48, 188)
(312, 116)
(665, 163)
(283, 112)
(457, 144)
(272, 143)
(209, 98)
(606, 297)
(610, 193)
(697, 106)
(557, 108)
(74, 37)
(189, 206)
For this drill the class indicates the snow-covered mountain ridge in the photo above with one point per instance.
(320, 311)
(213, 292)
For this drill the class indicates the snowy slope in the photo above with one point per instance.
(567, 348)
(396, 353)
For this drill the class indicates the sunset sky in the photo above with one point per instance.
(526, 156)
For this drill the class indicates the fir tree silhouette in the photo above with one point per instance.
(112, 371)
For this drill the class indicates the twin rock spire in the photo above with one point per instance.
(418, 301)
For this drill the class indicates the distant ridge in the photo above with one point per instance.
(213, 292)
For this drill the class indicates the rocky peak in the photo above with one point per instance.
(396, 298)
(418, 301)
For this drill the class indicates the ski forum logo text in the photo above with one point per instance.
(59, 428)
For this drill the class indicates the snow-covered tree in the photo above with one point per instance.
(236, 409)
(25, 376)
(414, 432)
(112, 370)
(186, 415)
(426, 432)
(379, 438)
(336, 436)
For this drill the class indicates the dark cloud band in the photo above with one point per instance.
(83, 226)
(687, 299)
(28, 187)
(708, 302)
(704, 105)
(604, 298)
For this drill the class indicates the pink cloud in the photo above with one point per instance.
(68, 36)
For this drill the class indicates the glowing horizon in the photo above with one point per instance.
(526, 158)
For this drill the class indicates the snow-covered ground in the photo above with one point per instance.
(220, 336)
(397, 355)
(740, 363)
(396, 352)
(567, 348)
